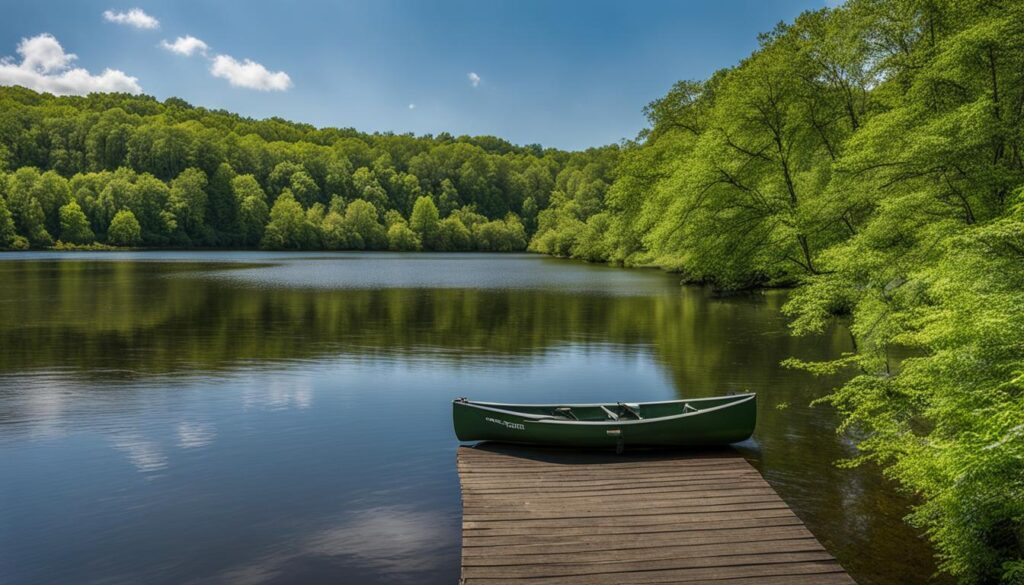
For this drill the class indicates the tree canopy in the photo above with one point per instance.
(124, 229)
(195, 177)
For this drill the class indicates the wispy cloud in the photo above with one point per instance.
(187, 45)
(474, 79)
(46, 67)
(412, 106)
(249, 74)
(134, 17)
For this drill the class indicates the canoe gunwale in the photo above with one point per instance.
(554, 404)
(544, 418)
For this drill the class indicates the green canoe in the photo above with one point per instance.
(676, 423)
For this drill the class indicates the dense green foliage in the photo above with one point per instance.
(74, 226)
(124, 229)
(870, 153)
(195, 177)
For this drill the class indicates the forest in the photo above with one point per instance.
(867, 155)
(123, 170)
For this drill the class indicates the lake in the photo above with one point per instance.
(251, 417)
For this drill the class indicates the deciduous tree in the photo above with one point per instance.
(124, 229)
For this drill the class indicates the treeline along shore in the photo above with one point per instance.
(868, 155)
(123, 170)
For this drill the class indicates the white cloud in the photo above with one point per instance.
(474, 79)
(412, 106)
(134, 17)
(44, 54)
(187, 45)
(249, 74)
(46, 67)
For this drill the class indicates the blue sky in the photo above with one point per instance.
(563, 74)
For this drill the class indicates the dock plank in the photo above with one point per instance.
(537, 516)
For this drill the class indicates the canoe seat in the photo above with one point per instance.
(565, 412)
(631, 409)
(611, 415)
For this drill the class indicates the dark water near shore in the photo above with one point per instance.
(277, 418)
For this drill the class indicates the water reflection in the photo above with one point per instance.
(259, 418)
(398, 543)
(192, 435)
(145, 455)
(279, 393)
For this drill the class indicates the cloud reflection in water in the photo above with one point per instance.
(146, 455)
(279, 393)
(393, 541)
(193, 435)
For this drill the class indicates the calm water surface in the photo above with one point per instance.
(277, 418)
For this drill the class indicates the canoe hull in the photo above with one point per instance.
(730, 423)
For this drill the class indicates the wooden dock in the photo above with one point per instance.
(532, 516)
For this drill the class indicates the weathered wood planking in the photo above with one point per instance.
(533, 516)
